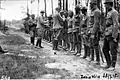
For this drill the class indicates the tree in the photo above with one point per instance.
(45, 8)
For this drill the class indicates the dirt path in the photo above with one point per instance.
(64, 65)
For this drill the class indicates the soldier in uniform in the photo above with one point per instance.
(40, 29)
(84, 32)
(77, 31)
(94, 30)
(111, 35)
(65, 30)
(70, 28)
(32, 26)
(57, 28)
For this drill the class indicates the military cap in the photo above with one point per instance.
(77, 7)
(42, 11)
(84, 9)
(108, 1)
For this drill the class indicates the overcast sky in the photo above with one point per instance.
(14, 8)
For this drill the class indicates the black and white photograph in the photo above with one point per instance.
(60, 39)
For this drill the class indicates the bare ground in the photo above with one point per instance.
(26, 62)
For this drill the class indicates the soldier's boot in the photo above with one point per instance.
(40, 43)
(92, 53)
(85, 52)
(88, 51)
(113, 63)
(107, 57)
(78, 53)
(114, 58)
(37, 43)
(97, 55)
(54, 44)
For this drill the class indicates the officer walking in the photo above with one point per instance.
(94, 30)
(111, 35)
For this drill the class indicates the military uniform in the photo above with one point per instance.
(77, 31)
(70, 29)
(84, 33)
(32, 27)
(41, 23)
(111, 37)
(57, 29)
(95, 32)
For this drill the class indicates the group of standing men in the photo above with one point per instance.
(81, 28)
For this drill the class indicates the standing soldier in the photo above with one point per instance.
(40, 29)
(70, 32)
(65, 30)
(57, 27)
(111, 36)
(94, 30)
(77, 31)
(32, 26)
(84, 32)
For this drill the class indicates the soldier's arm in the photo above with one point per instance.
(115, 25)
(96, 22)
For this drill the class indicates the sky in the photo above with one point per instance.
(14, 9)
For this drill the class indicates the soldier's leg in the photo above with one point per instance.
(92, 53)
(97, 53)
(106, 52)
(113, 50)
(85, 51)
(37, 43)
(88, 51)
(40, 42)
(79, 45)
(91, 49)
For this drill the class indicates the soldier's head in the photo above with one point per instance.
(66, 14)
(32, 16)
(70, 13)
(57, 9)
(109, 3)
(84, 10)
(61, 13)
(77, 9)
(93, 4)
(42, 12)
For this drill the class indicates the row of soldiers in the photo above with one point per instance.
(81, 28)
(75, 30)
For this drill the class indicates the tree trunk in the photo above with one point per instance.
(75, 2)
(45, 8)
(52, 6)
(66, 5)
